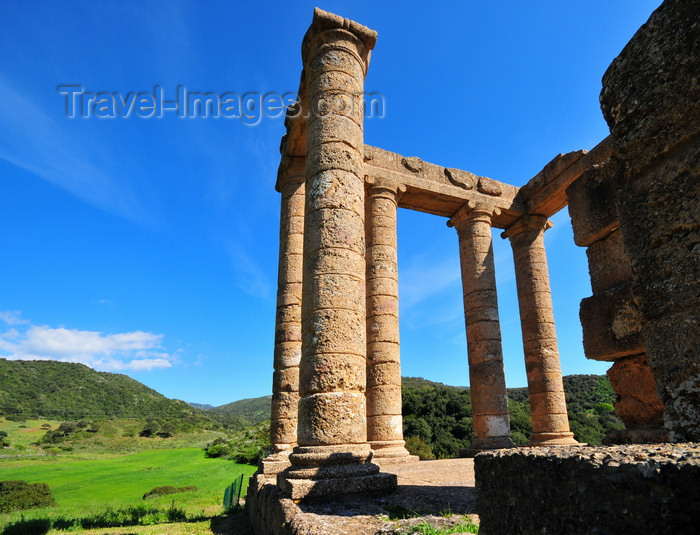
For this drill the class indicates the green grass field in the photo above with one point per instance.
(85, 487)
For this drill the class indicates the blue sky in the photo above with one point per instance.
(148, 246)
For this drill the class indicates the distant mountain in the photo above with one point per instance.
(68, 391)
(420, 383)
(200, 406)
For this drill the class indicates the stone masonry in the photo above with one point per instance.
(651, 101)
(611, 319)
(606, 490)
(633, 202)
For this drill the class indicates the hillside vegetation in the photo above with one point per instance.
(243, 413)
(67, 391)
(438, 418)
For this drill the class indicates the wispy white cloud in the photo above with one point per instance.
(249, 275)
(34, 141)
(136, 350)
(12, 317)
(425, 276)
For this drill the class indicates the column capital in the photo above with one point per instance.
(325, 22)
(473, 211)
(292, 170)
(381, 186)
(529, 222)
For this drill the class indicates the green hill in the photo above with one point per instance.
(67, 391)
(243, 413)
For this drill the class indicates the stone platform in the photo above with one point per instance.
(440, 492)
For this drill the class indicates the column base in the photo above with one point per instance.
(553, 439)
(486, 444)
(391, 452)
(330, 471)
(331, 488)
(275, 463)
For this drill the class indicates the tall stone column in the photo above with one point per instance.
(550, 423)
(285, 381)
(384, 422)
(486, 376)
(333, 456)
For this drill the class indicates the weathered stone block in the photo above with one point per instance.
(637, 404)
(334, 372)
(611, 325)
(592, 203)
(332, 418)
(384, 399)
(385, 373)
(286, 380)
(608, 264)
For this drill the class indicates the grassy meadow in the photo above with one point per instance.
(92, 487)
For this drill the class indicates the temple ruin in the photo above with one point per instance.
(336, 408)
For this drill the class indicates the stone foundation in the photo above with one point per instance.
(425, 489)
(606, 490)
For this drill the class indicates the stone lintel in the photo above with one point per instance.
(441, 191)
(545, 193)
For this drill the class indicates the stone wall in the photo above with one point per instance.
(651, 101)
(571, 490)
(610, 318)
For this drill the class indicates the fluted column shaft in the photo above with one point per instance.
(287, 355)
(550, 423)
(486, 375)
(384, 422)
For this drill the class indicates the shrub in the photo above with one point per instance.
(20, 495)
(167, 489)
(37, 526)
(416, 446)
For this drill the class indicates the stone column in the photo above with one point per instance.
(384, 422)
(285, 381)
(550, 423)
(333, 456)
(486, 376)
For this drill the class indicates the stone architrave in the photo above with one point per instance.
(550, 423)
(384, 422)
(333, 456)
(285, 382)
(486, 375)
